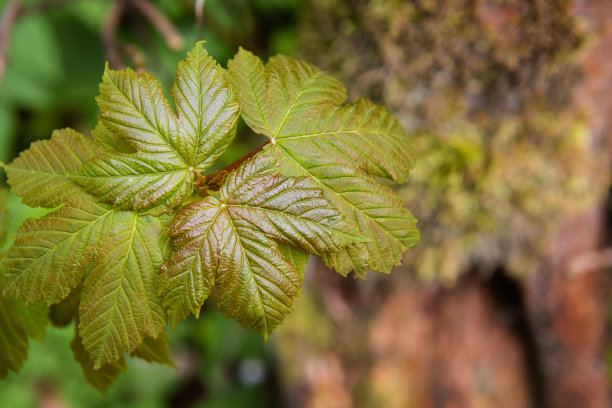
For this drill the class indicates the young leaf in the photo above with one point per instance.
(64, 312)
(119, 304)
(207, 108)
(168, 148)
(51, 254)
(339, 148)
(105, 376)
(34, 319)
(227, 243)
(296, 101)
(155, 350)
(17, 323)
(13, 337)
(43, 175)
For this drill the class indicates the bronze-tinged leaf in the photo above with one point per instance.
(104, 377)
(155, 350)
(17, 323)
(120, 305)
(230, 243)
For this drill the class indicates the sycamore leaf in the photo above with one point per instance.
(296, 256)
(64, 312)
(207, 108)
(110, 141)
(227, 242)
(51, 254)
(121, 252)
(103, 378)
(17, 323)
(119, 304)
(340, 148)
(155, 350)
(13, 337)
(34, 319)
(168, 149)
(43, 175)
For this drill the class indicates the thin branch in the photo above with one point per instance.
(109, 35)
(11, 12)
(199, 12)
(160, 22)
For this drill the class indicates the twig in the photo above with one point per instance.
(214, 180)
(9, 16)
(161, 23)
(199, 12)
(109, 35)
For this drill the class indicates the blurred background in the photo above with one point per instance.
(506, 300)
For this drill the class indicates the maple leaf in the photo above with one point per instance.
(102, 378)
(43, 175)
(230, 243)
(18, 322)
(155, 350)
(157, 152)
(121, 251)
(342, 148)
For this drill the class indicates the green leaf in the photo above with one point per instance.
(105, 376)
(207, 108)
(62, 313)
(133, 106)
(51, 254)
(119, 304)
(34, 319)
(110, 141)
(43, 175)
(296, 256)
(138, 181)
(17, 323)
(120, 252)
(168, 149)
(227, 242)
(340, 148)
(155, 350)
(13, 338)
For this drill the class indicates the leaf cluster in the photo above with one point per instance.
(140, 235)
